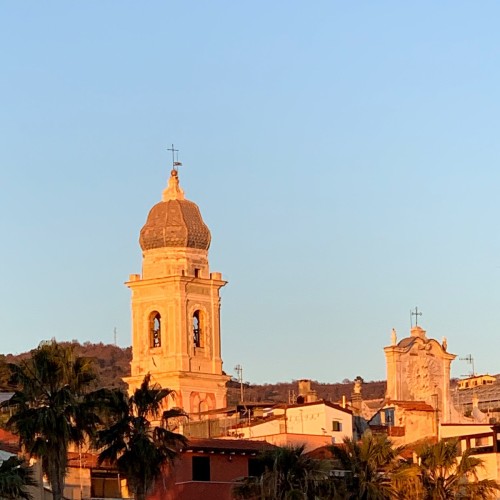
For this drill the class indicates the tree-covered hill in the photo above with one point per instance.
(112, 363)
(284, 392)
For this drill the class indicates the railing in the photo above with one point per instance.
(210, 428)
(390, 430)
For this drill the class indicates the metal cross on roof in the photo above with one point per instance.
(175, 158)
(416, 314)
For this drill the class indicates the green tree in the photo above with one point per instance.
(15, 476)
(50, 409)
(370, 465)
(445, 474)
(288, 474)
(139, 448)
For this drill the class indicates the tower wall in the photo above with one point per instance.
(176, 307)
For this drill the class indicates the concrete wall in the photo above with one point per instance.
(457, 430)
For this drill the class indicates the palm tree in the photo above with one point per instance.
(50, 410)
(446, 475)
(369, 465)
(288, 474)
(140, 449)
(15, 476)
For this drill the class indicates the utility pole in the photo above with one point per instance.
(114, 334)
(239, 371)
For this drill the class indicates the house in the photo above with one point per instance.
(405, 421)
(483, 440)
(313, 424)
(204, 468)
(209, 469)
(475, 381)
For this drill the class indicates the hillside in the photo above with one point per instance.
(284, 392)
(113, 363)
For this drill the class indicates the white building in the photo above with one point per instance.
(314, 424)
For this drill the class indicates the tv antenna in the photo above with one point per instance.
(239, 371)
(470, 360)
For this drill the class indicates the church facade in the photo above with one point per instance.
(176, 306)
(418, 369)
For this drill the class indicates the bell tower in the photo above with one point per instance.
(176, 306)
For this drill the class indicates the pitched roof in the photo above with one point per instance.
(319, 402)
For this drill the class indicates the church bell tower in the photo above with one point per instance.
(176, 306)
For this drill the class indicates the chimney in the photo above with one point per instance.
(306, 395)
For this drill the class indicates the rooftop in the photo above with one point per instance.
(227, 445)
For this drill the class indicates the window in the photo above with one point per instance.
(105, 484)
(336, 426)
(255, 467)
(389, 416)
(198, 329)
(155, 329)
(196, 273)
(201, 468)
(481, 441)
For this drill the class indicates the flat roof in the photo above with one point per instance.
(227, 445)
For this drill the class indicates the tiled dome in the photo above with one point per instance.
(174, 222)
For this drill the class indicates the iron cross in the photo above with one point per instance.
(416, 314)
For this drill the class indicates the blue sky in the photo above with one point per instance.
(343, 154)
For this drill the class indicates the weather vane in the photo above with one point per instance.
(175, 158)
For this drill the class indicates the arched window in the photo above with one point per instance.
(155, 329)
(198, 329)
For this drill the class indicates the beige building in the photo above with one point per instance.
(418, 369)
(405, 422)
(483, 441)
(315, 424)
(476, 381)
(176, 306)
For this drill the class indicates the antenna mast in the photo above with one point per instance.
(469, 359)
(239, 371)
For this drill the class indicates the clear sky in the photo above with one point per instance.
(345, 156)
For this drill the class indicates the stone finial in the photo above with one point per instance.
(173, 191)
(475, 401)
(394, 337)
(358, 382)
(445, 344)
